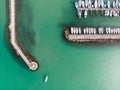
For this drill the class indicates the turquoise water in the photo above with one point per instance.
(40, 26)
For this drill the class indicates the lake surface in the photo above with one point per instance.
(40, 26)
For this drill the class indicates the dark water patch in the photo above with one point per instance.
(24, 25)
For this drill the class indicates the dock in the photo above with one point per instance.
(13, 37)
(81, 38)
(99, 9)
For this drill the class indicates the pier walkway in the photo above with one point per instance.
(13, 40)
(91, 37)
(99, 9)
(97, 38)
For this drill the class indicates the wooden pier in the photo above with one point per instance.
(13, 38)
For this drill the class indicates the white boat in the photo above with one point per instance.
(114, 4)
(72, 30)
(46, 79)
(83, 4)
(76, 31)
(86, 3)
(118, 30)
(114, 30)
(92, 4)
(111, 13)
(79, 13)
(84, 30)
(107, 13)
(76, 5)
(94, 31)
(95, 4)
(108, 3)
(79, 31)
(109, 29)
(91, 30)
(79, 3)
(89, 4)
(102, 4)
(87, 31)
(98, 3)
(100, 30)
(118, 13)
(118, 4)
(85, 14)
(115, 13)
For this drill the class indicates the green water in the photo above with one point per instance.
(40, 25)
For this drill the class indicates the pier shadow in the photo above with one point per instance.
(26, 35)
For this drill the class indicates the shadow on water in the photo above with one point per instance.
(24, 25)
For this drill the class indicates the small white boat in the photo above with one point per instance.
(107, 12)
(79, 13)
(83, 4)
(95, 3)
(92, 4)
(102, 4)
(111, 13)
(98, 3)
(119, 4)
(115, 13)
(46, 79)
(94, 31)
(72, 30)
(86, 3)
(79, 3)
(76, 31)
(118, 30)
(89, 4)
(85, 14)
(114, 4)
(118, 13)
(79, 31)
(100, 30)
(84, 31)
(108, 4)
(109, 30)
(76, 5)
